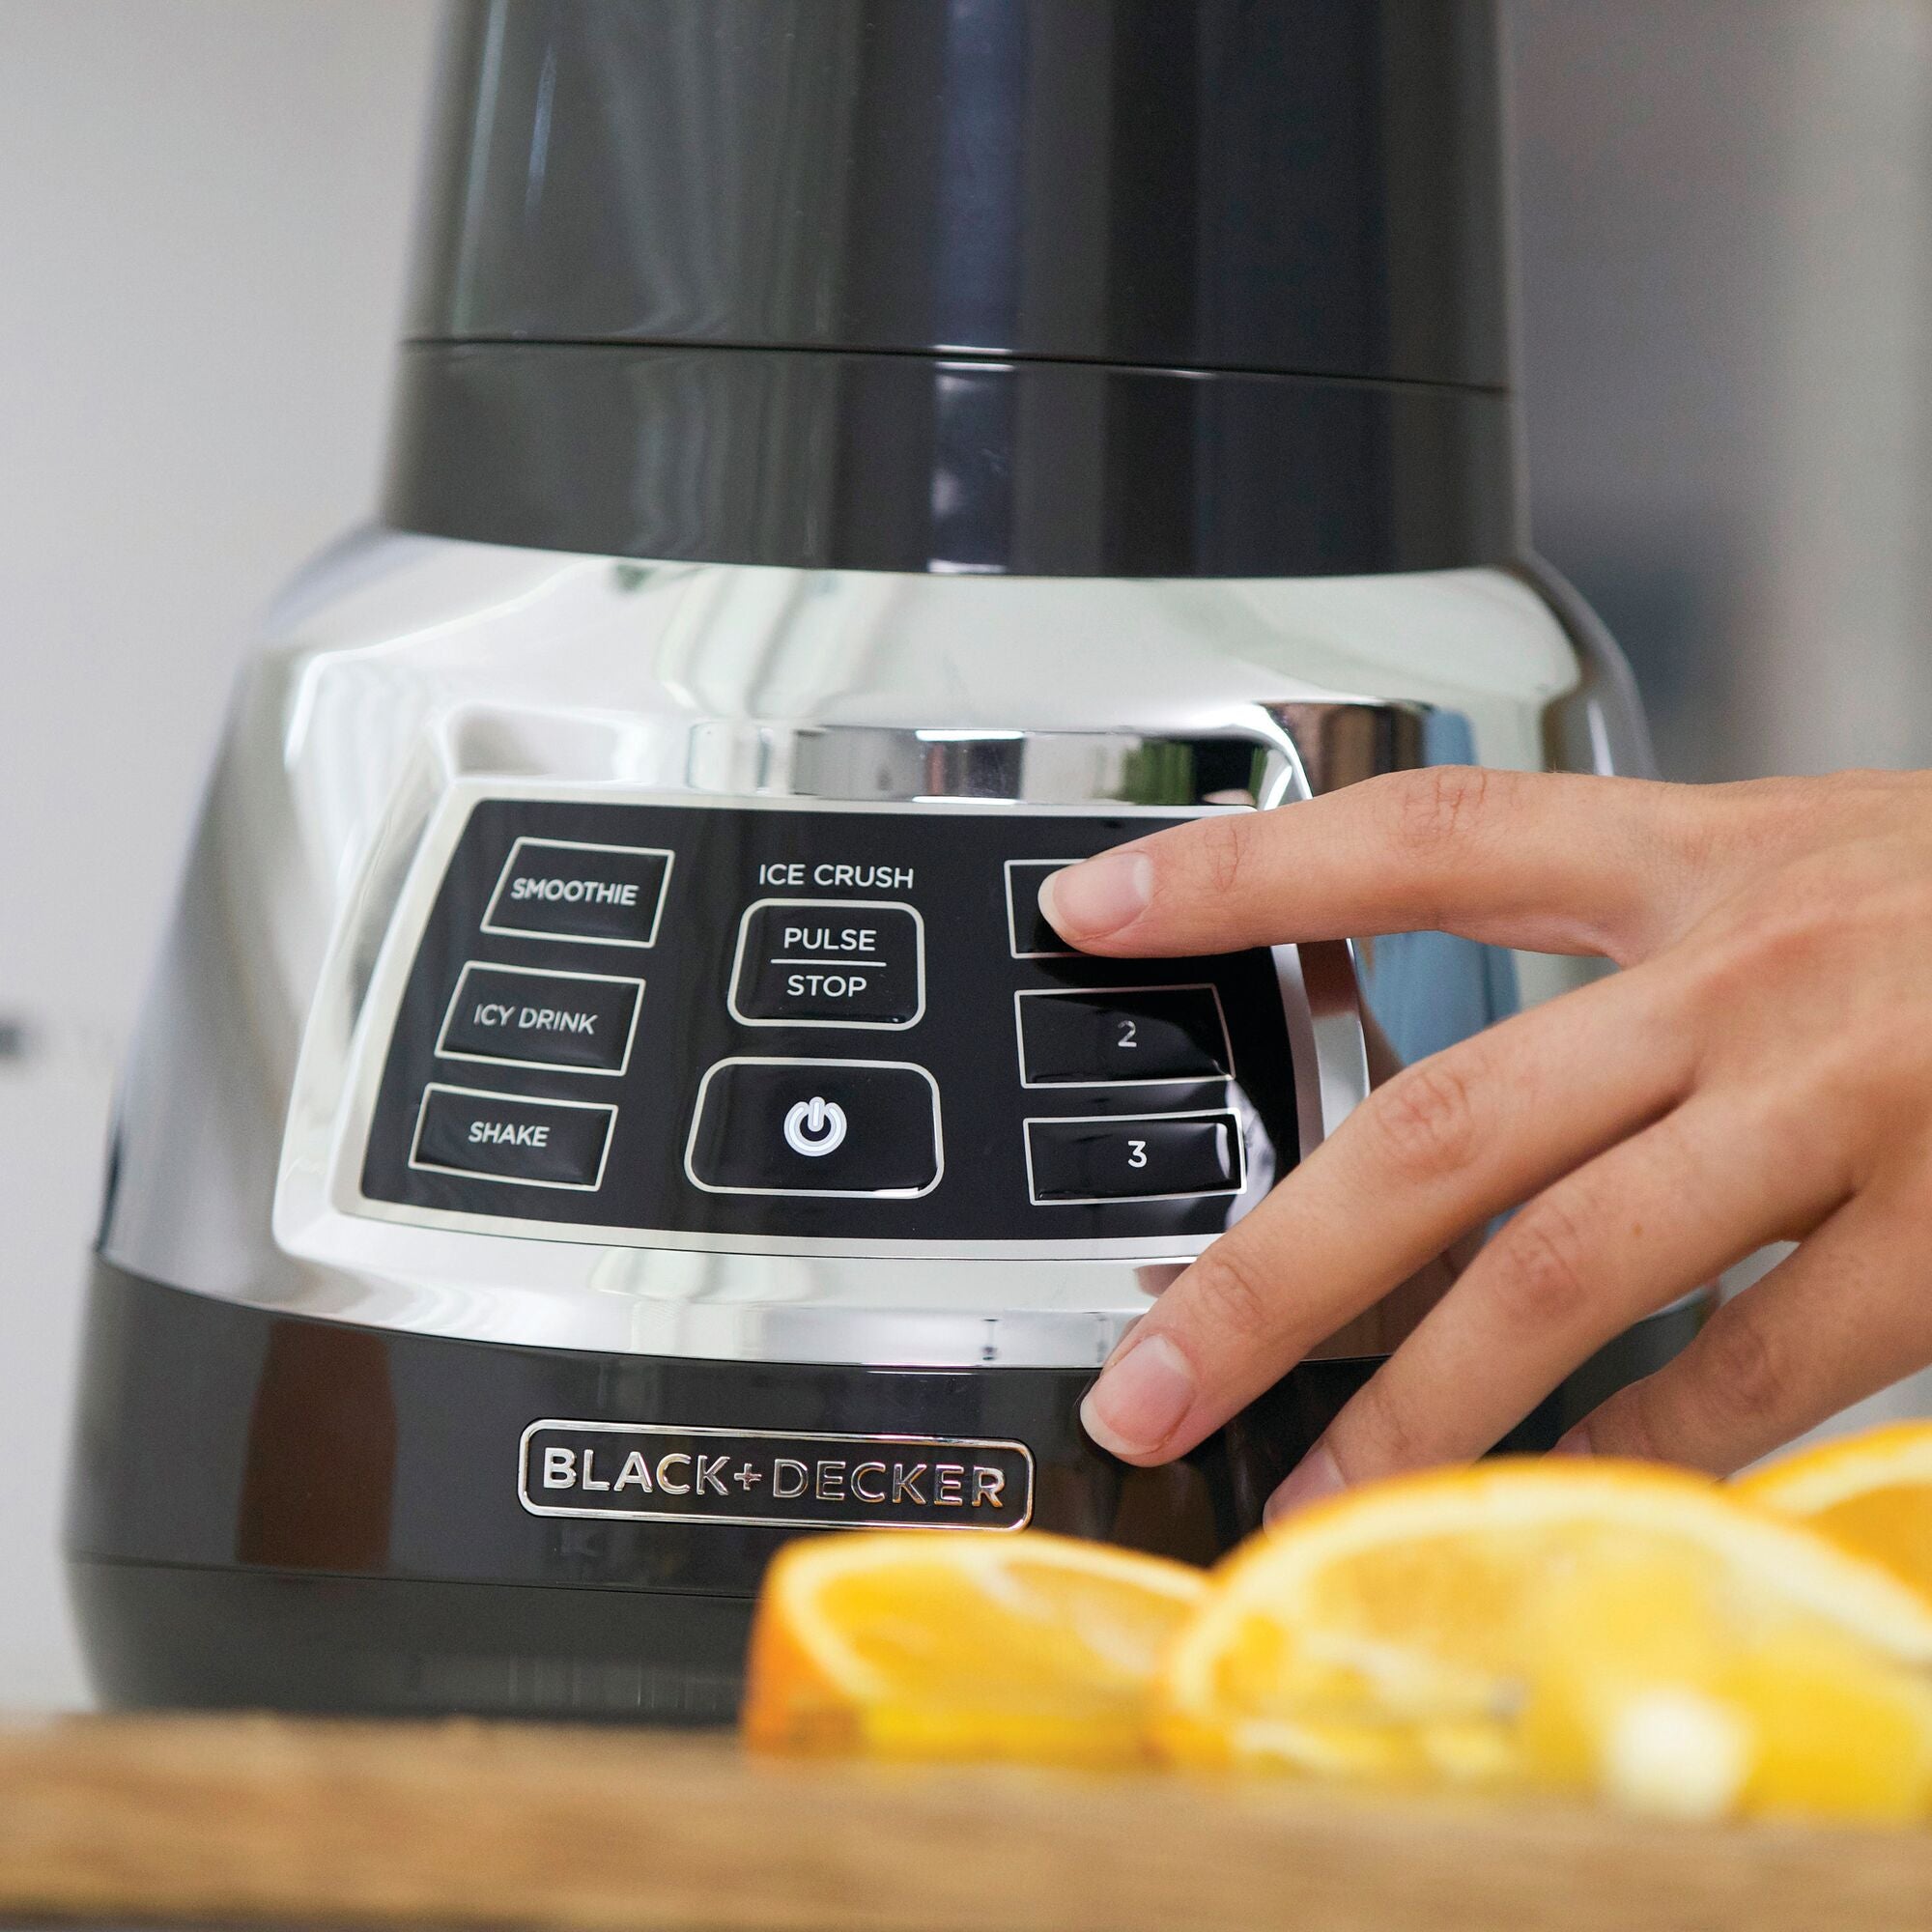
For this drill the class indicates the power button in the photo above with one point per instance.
(815, 1127)
(852, 1128)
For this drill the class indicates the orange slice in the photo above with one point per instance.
(957, 1644)
(1615, 1627)
(1871, 1493)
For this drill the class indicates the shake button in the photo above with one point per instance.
(509, 1137)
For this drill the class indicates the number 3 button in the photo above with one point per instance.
(1161, 1159)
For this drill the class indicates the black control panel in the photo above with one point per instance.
(809, 1024)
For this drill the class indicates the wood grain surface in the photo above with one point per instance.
(272, 1820)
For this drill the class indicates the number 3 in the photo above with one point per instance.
(1137, 1155)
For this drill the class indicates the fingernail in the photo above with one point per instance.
(1576, 1442)
(1099, 896)
(1315, 1476)
(1141, 1398)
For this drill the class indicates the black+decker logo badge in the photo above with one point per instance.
(660, 1473)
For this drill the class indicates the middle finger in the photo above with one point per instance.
(1442, 1147)
(1646, 1222)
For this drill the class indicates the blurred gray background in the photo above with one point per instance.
(1725, 210)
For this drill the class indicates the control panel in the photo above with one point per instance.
(846, 1026)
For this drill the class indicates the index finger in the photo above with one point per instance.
(1551, 861)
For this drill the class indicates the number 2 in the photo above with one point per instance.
(1128, 1033)
(1137, 1153)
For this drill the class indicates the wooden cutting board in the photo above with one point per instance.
(272, 1820)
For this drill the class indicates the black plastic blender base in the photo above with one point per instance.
(160, 1637)
(268, 1511)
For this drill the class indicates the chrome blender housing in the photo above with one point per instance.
(363, 734)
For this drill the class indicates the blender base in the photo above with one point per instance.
(160, 1637)
(269, 1511)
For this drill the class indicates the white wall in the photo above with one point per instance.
(203, 214)
(1726, 226)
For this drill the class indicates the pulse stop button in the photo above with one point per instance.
(829, 963)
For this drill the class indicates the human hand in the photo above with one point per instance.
(1761, 1070)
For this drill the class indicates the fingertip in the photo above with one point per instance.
(1098, 896)
(1143, 1397)
(1049, 905)
(1317, 1475)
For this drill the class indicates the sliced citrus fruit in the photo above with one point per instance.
(958, 1644)
(1871, 1493)
(1663, 1697)
(1616, 1628)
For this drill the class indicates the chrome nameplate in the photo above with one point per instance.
(781, 1479)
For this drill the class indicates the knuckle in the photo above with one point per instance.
(1427, 1117)
(1816, 1125)
(1794, 926)
(1745, 1377)
(1540, 1265)
(1222, 852)
(1376, 1435)
(1731, 1396)
(1698, 826)
(1752, 947)
(1230, 1295)
(1442, 805)
(1778, 935)
(1629, 1425)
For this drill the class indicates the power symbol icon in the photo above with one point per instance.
(815, 1127)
